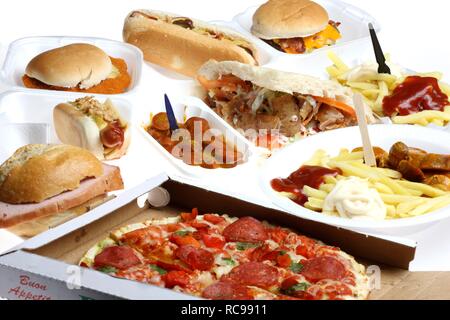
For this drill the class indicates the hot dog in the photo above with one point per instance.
(184, 44)
(92, 125)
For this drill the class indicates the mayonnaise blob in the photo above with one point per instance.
(354, 199)
(369, 71)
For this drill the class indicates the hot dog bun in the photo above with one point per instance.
(182, 49)
(77, 123)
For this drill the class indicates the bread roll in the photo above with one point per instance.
(281, 19)
(37, 172)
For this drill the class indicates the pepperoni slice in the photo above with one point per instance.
(323, 268)
(255, 274)
(119, 257)
(227, 291)
(176, 278)
(245, 229)
(196, 258)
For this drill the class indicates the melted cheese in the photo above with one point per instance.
(325, 37)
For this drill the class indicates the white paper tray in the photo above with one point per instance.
(187, 107)
(21, 51)
(354, 26)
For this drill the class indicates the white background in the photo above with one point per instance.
(414, 32)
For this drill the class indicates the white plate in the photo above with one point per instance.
(354, 26)
(187, 107)
(289, 159)
(21, 51)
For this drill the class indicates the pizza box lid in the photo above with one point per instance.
(49, 261)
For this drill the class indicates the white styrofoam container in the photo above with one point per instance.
(281, 164)
(21, 51)
(353, 28)
(187, 107)
(37, 107)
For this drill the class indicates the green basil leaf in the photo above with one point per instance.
(107, 269)
(181, 233)
(296, 267)
(302, 286)
(160, 270)
(229, 261)
(241, 246)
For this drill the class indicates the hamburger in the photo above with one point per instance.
(78, 67)
(183, 44)
(42, 186)
(294, 26)
(267, 100)
(95, 126)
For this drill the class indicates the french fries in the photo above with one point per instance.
(402, 198)
(374, 87)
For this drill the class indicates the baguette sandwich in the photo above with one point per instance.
(42, 186)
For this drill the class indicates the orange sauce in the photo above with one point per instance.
(115, 85)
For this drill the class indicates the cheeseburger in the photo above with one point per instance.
(78, 67)
(294, 26)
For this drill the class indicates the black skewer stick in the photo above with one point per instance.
(170, 115)
(379, 55)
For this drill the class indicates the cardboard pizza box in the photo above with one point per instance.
(46, 267)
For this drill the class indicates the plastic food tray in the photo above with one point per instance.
(187, 107)
(354, 26)
(21, 51)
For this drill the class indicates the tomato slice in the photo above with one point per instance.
(284, 260)
(176, 278)
(229, 81)
(184, 240)
(188, 216)
(213, 241)
(338, 105)
(215, 219)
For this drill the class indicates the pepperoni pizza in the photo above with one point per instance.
(220, 257)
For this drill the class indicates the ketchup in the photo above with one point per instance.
(112, 135)
(413, 95)
(312, 176)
